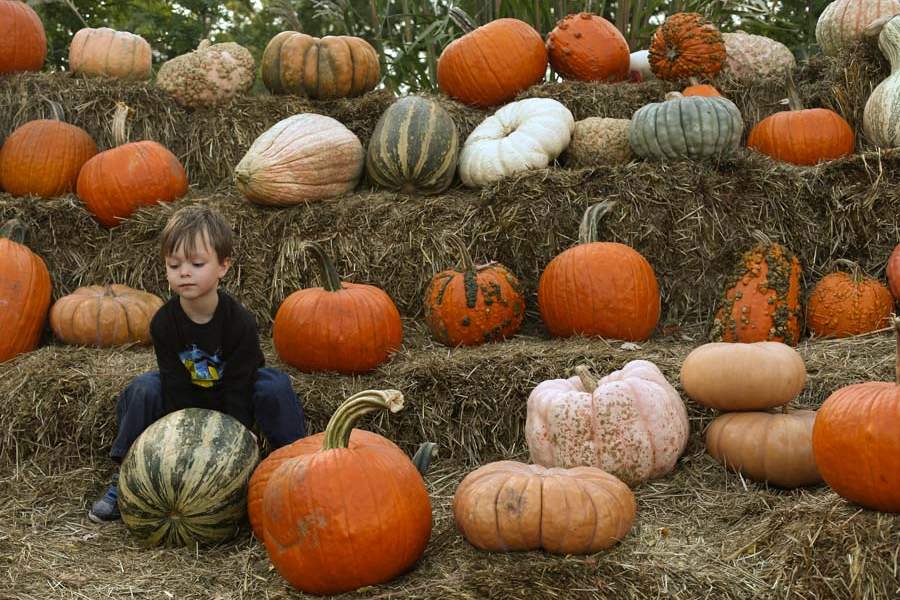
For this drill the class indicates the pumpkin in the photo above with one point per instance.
(893, 272)
(522, 135)
(24, 292)
(211, 75)
(771, 447)
(350, 514)
(104, 315)
(639, 66)
(738, 376)
(117, 182)
(686, 45)
(844, 22)
(44, 157)
(762, 297)
(109, 53)
(686, 127)
(700, 89)
(509, 506)
(856, 441)
(184, 480)
(474, 305)
(881, 117)
(491, 64)
(341, 326)
(340, 66)
(302, 158)
(413, 148)
(631, 423)
(23, 43)
(587, 47)
(845, 304)
(751, 58)
(599, 141)
(599, 288)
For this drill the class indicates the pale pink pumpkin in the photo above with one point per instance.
(632, 423)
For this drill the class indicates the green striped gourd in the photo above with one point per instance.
(414, 147)
(184, 480)
(881, 118)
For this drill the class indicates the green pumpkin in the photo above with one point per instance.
(686, 127)
(414, 148)
(184, 480)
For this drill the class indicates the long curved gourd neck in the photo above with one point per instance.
(889, 43)
(590, 222)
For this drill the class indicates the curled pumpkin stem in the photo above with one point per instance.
(588, 381)
(119, 124)
(590, 222)
(337, 432)
(330, 279)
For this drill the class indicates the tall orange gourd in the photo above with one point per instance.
(23, 43)
(24, 293)
(587, 47)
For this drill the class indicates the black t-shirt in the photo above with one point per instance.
(211, 365)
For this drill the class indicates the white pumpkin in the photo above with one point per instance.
(521, 135)
(752, 57)
(209, 76)
(640, 63)
(881, 119)
(599, 141)
(843, 22)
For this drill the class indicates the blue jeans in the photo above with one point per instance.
(275, 407)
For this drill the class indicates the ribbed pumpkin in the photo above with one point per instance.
(843, 22)
(881, 118)
(44, 157)
(413, 148)
(106, 52)
(211, 75)
(302, 158)
(339, 66)
(893, 272)
(700, 89)
(104, 315)
(352, 514)
(491, 64)
(844, 304)
(509, 506)
(342, 327)
(762, 298)
(587, 47)
(117, 182)
(856, 441)
(686, 45)
(599, 288)
(764, 446)
(184, 480)
(23, 43)
(751, 58)
(474, 305)
(24, 292)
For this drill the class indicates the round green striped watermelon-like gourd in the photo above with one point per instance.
(414, 147)
(184, 480)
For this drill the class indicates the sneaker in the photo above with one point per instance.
(106, 508)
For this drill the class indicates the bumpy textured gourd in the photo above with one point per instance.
(211, 75)
(881, 119)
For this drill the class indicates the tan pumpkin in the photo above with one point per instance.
(751, 58)
(104, 316)
(109, 53)
(508, 506)
(211, 75)
(599, 141)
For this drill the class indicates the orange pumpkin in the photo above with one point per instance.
(893, 272)
(104, 315)
(44, 157)
(117, 182)
(599, 288)
(844, 304)
(587, 47)
(342, 327)
(23, 43)
(762, 299)
(686, 45)
(106, 52)
(700, 89)
(349, 514)
(856, 441)
(491, 64)
(24, 292)
(478, 304)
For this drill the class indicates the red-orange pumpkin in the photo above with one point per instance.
(24, 293)
(893, 272)
(686, 45)
(23, 43)
(845, 304)
(587, 47)
(700, 89)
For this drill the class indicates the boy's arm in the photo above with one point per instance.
(242, 363)
(176, 381)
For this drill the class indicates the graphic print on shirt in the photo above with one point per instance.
(206, 371)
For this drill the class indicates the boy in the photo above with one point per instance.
(207, 350)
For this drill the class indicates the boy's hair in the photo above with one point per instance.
(187, 223)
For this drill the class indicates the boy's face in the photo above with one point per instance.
(198, 274)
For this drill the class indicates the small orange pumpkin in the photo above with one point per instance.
(23, 42)
(587, 47)
(104, 316)
(686, 45)
(24, 292)
(700, 89)
(845, 304)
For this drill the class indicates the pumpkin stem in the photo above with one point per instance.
(761, 237)
(674, 95)
(56, 111)
(461, 19)
(896, 322)
(337, 432)
(587, 232)
(588, 381)
(794, 100)
(14, 230)
(330, 279)
(854, 268)
(120, 120)
(465, 258)
(423, 456)
(204, 44)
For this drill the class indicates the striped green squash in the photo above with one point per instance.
(184, 480)
(414, 147)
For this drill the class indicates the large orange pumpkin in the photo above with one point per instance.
(24, 293)
(23, 43)
(349, 514)
(845, 304)
(342, 327)
(599, 288)
(856, 441)
(491, 64)
(104, 315)
(106, 52)
(686, 45)
(587, 47)
(117, 182)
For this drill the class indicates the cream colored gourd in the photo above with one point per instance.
(881, 119)
(599, 141)
(631, 423)
(522, 135)
(750, 57)
(106, 52)
(843, 22)
(211, 75)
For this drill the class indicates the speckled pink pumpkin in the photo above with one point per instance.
(632, 423)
